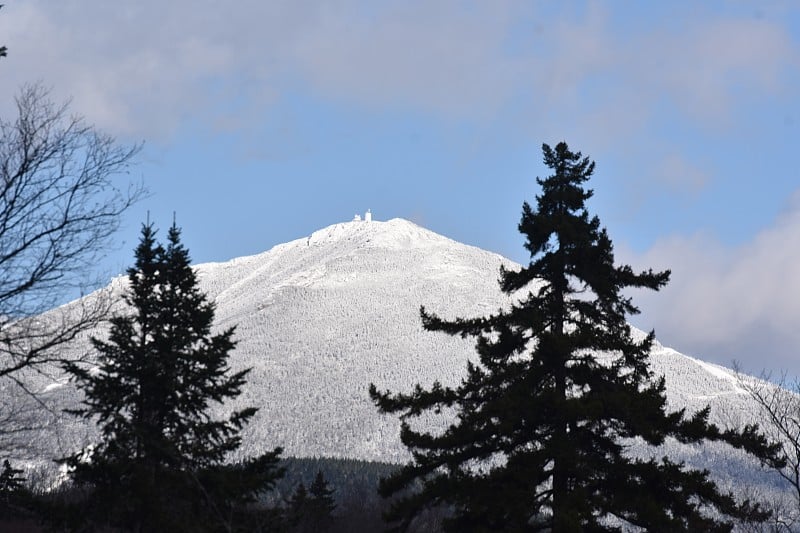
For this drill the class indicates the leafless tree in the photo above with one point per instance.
(62, 191)
(779, 404)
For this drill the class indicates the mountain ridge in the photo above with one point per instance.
(321, 317)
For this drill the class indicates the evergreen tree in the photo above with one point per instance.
(10, 479)
(322, 502)
(298, 506)
(544, 420)
(160, 464)
(15, 499)
(312, 510)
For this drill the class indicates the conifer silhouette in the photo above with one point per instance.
(561, 387)
(160, 465)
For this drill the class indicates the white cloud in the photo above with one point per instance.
(146, 67)
(439, 58)
(730, 303)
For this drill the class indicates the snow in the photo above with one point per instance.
(52, 387)
(721, 373)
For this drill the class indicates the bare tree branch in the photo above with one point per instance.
(779, 402)
(63, 189)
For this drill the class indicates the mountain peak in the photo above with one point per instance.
(394, 233)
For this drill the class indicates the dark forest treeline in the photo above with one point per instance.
(354, 484)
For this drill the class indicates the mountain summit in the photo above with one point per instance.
(395, 233)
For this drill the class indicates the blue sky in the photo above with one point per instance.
(266, 120)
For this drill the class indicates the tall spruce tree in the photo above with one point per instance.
(160, 465)
(543, 421)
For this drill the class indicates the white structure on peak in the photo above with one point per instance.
(357, 217)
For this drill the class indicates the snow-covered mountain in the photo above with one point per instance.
(320, 318)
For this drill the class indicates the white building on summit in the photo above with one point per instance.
(367, 217)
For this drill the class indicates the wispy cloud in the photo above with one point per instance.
(730, 303)
(438, 58)
(149, 66)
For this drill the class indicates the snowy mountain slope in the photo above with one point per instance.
(320, 318)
